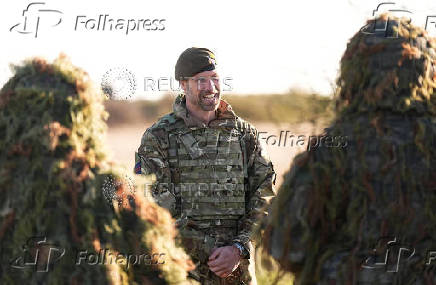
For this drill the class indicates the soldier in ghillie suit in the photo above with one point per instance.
(212, 173)
(352, 215)
(56, 227)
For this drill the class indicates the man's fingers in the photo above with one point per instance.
(215, 262)
(215, 254)
(221, 262)
(217, 268)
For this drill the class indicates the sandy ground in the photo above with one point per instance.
(123, 141)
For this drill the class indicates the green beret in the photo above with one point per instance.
(194, 60)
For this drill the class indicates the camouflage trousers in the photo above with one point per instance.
(200, 243)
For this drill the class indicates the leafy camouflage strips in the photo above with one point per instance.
(335, 203)
(52, 168)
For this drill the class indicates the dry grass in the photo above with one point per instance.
(273, 108)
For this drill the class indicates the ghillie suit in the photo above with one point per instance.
(376, 191)
(56, 227)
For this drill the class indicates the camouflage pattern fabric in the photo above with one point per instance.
(342, 215)
(56, 226)
(214, 180)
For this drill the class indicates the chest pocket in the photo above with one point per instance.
(211, 174)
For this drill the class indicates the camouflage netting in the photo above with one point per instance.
(337, 202)
(52, 168)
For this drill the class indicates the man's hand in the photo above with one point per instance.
(224, 260)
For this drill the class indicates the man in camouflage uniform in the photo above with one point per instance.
(364, 214)
(213, 174)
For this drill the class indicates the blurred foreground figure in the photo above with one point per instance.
(365, 214)
(56, 227)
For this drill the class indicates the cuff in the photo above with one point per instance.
(244, 250)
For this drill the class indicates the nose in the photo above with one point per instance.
(210, 86)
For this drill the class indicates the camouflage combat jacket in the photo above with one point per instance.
(214, 179)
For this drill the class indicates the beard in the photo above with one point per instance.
(206, 103)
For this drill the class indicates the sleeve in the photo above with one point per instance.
(151, 158)
(261, 177)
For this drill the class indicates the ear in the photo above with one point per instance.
(184, 85)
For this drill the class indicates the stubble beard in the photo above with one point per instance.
(205, 104)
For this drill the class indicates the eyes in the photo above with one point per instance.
(203, 81)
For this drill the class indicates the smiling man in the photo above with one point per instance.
(212, 173)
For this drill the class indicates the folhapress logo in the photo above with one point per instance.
(38, 254)
(107, 23)
(35, 15)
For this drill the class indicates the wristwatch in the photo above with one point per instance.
(243, 252)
